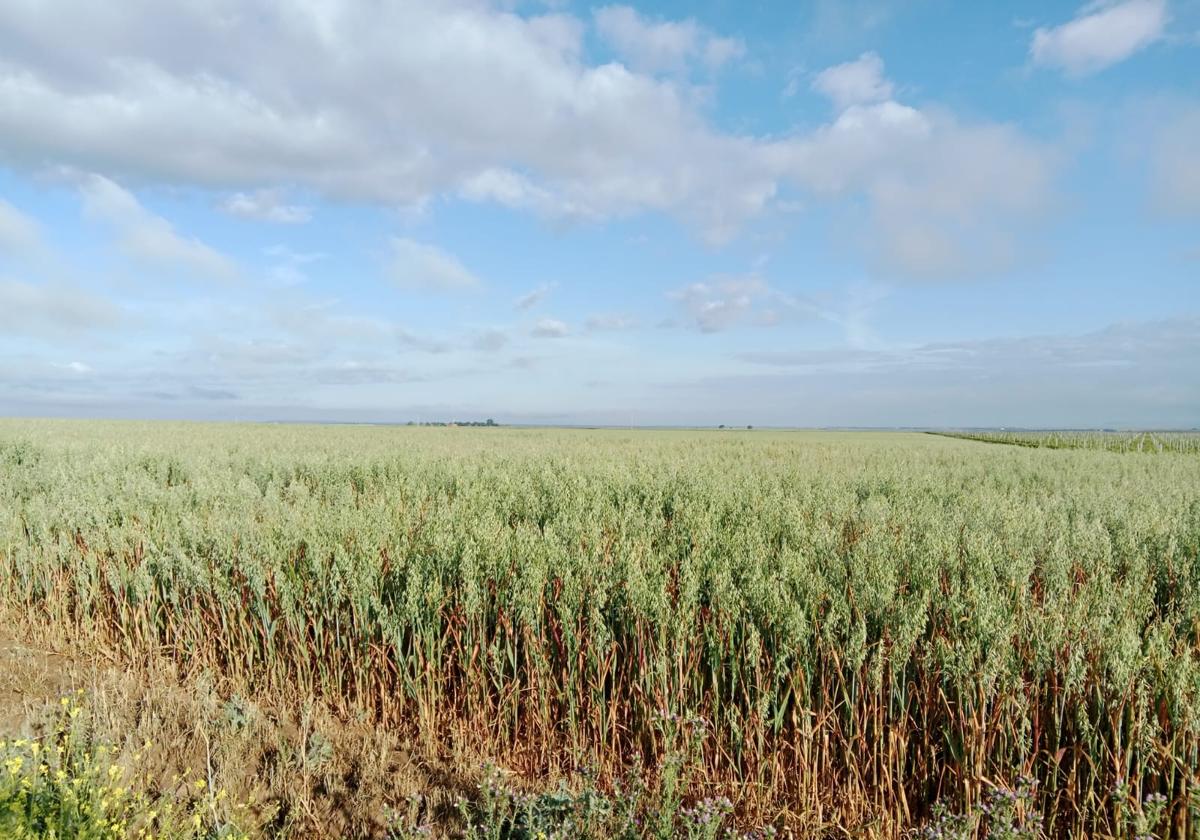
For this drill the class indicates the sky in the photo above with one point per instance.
(822, 213)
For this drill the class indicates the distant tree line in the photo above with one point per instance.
(487, 422)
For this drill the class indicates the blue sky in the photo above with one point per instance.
(925, 213)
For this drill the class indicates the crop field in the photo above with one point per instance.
(1143, 442)
(638, 633)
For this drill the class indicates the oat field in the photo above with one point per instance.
(1142, 442)
(863, 632)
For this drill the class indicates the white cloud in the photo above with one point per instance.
(324, 329)
(855, 82)
(266, 205)
(1172, 148)
(354, 372)
(317, 98)
(18, 232)
(1103, 34)
(40, 310)
(946, 199)
(663, 46)
(610, 321)
(720, 51)
(421, 266)
(725, 302)
(250, 356)
(265, 94)
(533, 298)
(318, 323)
(288, 268)
(1131, 375)
(519, 192)
(1127, 345)
(549, 328)
(489, 340)
(794, 78)
(423, 343)
(147, 237)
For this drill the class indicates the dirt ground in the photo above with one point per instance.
(30, 678)
(306, 773)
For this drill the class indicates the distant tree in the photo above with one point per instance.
(722, 426)
(748, 428)
(490, 422)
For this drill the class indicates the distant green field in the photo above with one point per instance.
(1145, 442)
(867, 623)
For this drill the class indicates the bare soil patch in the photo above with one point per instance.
(305, 773)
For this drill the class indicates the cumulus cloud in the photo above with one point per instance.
(725, 302)
(1103, 34)
(549, 328)
(518, 191)
(423, 110)
(855, 82)
(266, 205)
(265, 95)
(425, 267)
(946, 199)
(147, 237)
(663, 46)
(18, 232)
(533, 297)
